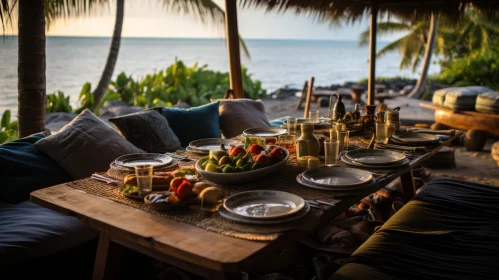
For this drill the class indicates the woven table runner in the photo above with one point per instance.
(284, 180)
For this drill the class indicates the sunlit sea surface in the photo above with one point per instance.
(72, 61)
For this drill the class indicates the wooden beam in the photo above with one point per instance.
(309, 96)
(372, 56)
(236, 80)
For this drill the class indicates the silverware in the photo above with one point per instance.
(103, 179)
(318, 203)
(326, 203)
(179, 157)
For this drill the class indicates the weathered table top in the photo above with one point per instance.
(186, 246)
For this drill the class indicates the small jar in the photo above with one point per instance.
(392, 117)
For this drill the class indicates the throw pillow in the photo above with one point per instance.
(193, 123)
(23, 169)
(148, 130)
(236, 115)
(86, 145)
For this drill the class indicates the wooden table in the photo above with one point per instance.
(199, 251)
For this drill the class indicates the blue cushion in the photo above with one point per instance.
(194, 123)
(29, 231)
(23, 169)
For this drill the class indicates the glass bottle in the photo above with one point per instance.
(356, 112)
(339, 109)
(307, 133)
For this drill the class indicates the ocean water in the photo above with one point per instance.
(72, 61)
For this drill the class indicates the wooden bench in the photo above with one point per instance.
(477, 124)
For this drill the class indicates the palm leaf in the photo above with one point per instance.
(397, 44)
(6, 12)
(384, 28)
(202, 9)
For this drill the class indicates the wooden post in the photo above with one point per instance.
(372, 56)
(303, 95)
(309, 96)
(236, 80)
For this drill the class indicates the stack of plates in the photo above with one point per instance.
(127, 163)
(336, 178)
(369, 158)
(415, 139)
(264, 207)
(204, 146)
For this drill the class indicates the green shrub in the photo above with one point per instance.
(479, 68)
(57, 102)
(8, 129)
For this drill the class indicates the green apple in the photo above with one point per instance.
(211, 167)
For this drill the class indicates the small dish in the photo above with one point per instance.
(209, 144)
(159, 201)
(133, 194)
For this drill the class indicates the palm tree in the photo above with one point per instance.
(31, 114)
(200, 8)
(474, 31)
(31, 67)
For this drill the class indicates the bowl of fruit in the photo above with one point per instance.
(238, 165)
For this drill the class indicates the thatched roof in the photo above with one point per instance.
(357, 9)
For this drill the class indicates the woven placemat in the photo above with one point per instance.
(284, 180)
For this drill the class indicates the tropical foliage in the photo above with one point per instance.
(8, 129)
(467, 50)
(480, 67)
(194, 85)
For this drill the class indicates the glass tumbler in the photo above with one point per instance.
(381, 133)
(144, 179)
(331, 152)
(343, 137)
(313, 116)
(288, 142)
(292, 126)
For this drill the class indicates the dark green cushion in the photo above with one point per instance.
(147, 130)
(23, 169)
(448, 231)
(194, 123)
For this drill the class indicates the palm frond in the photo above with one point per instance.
(391, 47)
(419, 54)
(6, 7)
(384, 28)
(202, 9)
(66, 9)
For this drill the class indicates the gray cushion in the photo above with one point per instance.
(236, 115)
(29, 231)
(439, 96)
(148, 130)
(86, 145)
(488, 103)
(463, 98)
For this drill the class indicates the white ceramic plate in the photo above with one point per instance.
(264, 204)
(211, 144)
(411, 137)
(132, 160)
(231, 216)
(375, 157)
(337, 176)
(339, 191)
(371, 166)
(265, 131)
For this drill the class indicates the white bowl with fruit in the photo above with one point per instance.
(238, 165)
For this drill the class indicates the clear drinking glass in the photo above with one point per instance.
(288, 142)
(144, 179)
(381, 133)
(331, 151)
(313, 116)
(302, 151)
(343, 137)
(292, 126)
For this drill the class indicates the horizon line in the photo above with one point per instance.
(197, 38)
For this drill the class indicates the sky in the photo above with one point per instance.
(148, 18)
